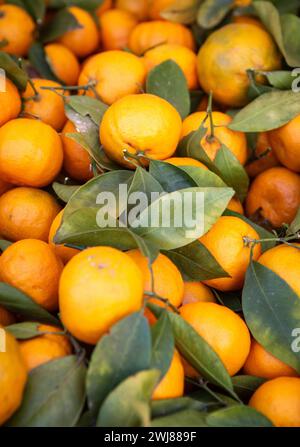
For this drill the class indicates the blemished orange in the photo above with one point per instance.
(32, 266)
(227, 54)
(184, 57)
(48, 106)
(185, 161)
(106, 4)
(275, 195)
(27, 213)
(261, 363)
(116, 26)
(10, 102)
(4, 186)
(139, 8)
(235, 141)
(31, 153)
(63, 63)
(222, 329)
(284, 260)
(84, 40)
(115, 73)
(235, 205)
(98, 287)
(157, 7)
(195, 292)
(64, 253)
(172, 384)
(17, 29)
(147, 35)
(13, 377)
(6, 317)
(77, 161)
(285, 142)
(265, 155)
(279, 400)
(45, 348)
(228, 242)
(140, 123)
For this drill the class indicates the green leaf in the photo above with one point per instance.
(24, 331)
(162, 345)
(212, 12)
(168, 81)
(170, 177)
(54, 395)
(272, 311)
(237, 416)
(244, 386)
(294, 226)
(12, 70)
(255, 88)
(165, 407)
(134, 411)
(62, 22)
(190, 146)
(38, 60)
(4, 244)
(85, 4)
(196, 262)
(16, 301)
(185, 418)
(115, 358)
(64, 192)
(280, 79)
(268, 111)
(87, 106)
(181, 11)
(203, 177)
(36, 8)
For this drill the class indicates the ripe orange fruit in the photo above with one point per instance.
(195, 292)
(261, 363)
(286, 145)
(116, 26)
(98, 287)
(275, 194)
(13, 377)
(63, 63)
(77, 161)
(222, 329)
(10, 102)
(185, 161)
(227, 54)
(48, 106)
(183, 56)
(285, 261)
(30, 153)
(64, 253)
(265, 155)
(106, 4)
(140, 123)
(235, 141)
(137, 7)
(39, 350)
(115, 73)
(248, 19)
(17, 29)
(32, 266)
(147, 35)
(235, 205)
(279, 400)
(6, 317)
(172, 384)
(158, 6)
(27, 213)
(227, 242)
(4, 187)
(84, 40)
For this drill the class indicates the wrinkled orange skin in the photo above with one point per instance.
(64, 253)
(285, 261)
(267, 161)
(261, 363)
(27, 213)
(13, 377)
(17, 28)
(222, 329)
(39, 350)
(185, 161)
(63, 63)
(183, 56)
(30, 153)
(10, 102)
(225, 241)
(275, 193)
(279, 400)
(139, 8)
(116, 26)
(195, 292)
(226, 55)
(6, 317)
(147, 35)
(98, 281)
(77, 161)
(172, 384)
(235, 205)
(285, 142)
(32, 266)
(116, 73)
(235, 141)
(85, 40)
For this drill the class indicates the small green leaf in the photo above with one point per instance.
(62, 22)
(38, 60)
(162, 345)
(87, 106)
(280, 79)
(244, 386)
(238, 416)
(24, 331)
(64, 192)
(4, 244)
(212, 12)
(12, 70)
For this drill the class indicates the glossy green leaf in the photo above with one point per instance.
(212, 12)
(203, 177)
(162, 344)
(280, 79)
(24, 331)
(88, 106)
(36, 8)
(244, 386)
(237, 416)
(64, 192)
(185, 418)
(170, 177)
(12, 70)
(62, 22)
